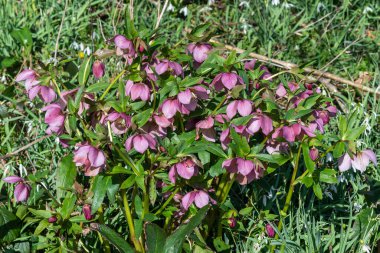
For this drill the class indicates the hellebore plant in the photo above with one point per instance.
(161, 136)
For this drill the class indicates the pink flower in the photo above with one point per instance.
(70, 94)
(169, 66)
(170, 107)
(296, 130)
(313, 153)
(199, 51)
(199, 197)
(26, 74)
(137, 91)
(120, 122)
(22, 189)
(55, 118)
(93, 159)
(266, 75)
(206, 127)
(86, 209)
(260, 121)
(246, 170)
(124, 46)
(270, 231)
(244, 107)
(188, 99)
(359, 162)
(52, 219)
(281, 91)
(231, 222)
(226, 80)
(185, 169)
(141, 142)
(98, 69)
(250, 65)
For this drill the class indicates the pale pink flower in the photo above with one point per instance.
(206, 127)
(243, 106)
(120, 122)
(91, 158)
(185, 169)
(169, 66)
(359, 162)
(137, 91)
(226, 80)
(260, 121)
(141, 142)
(199, 197)
(199, 51)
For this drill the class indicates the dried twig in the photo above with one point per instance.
(59, 33)
(24, 147)
(288, 65)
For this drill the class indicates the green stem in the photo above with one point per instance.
(127, 160)
(131, 227)
(105, 243)
(290, 193)
(111, 84)
(166, 203)
(219, 105)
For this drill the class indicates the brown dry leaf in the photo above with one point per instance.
(364, 77)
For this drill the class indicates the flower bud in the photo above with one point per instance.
(87, 211)
(270, 231)
(52, 219)
(313, 153)
(98, 69)
(231, 222)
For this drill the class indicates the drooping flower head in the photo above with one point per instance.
(98, 69)
(246, 170)
(120, 122)
(137, 91)
(199, 197)
(91, 158)
(172, 67)
(227, 80)
(55, 118)
(141, 142)
(199, 51)
(243, 106)
(185, 169)
(206, 127)
(124, 46)
(359, 162)
(22, 189)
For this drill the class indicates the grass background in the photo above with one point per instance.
(341, 37)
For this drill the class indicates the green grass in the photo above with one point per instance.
(339, 38)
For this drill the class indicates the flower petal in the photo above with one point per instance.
(344, 163)
(201, 199)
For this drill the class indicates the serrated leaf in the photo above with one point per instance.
(66, 174)
(100, 186)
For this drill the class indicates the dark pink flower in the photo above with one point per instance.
(170, 107)
(91, 158)
(231, 222)
(243, 106)
(26, 74)
(199, 51)
(162, 121)
(22, 189)
(169, 66)
(260, 121)
(188, 99)
(270, 231)
(86, 209)
(281, 91)
(120, 122)
(137, 91)
(52, 219)
(293, 86)
(124, 46)
(226, 80)
(199, 197)
(290, 133)
(185, 169)
(246, 170)
(55, 118)
(206, 127)
(359, 162)
(273, 147)
(250, 65)
(70, 94)
(266, 75)
(313, 153)
(141, 142)
(98, 69)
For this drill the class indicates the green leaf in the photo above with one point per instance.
(175, 241)
(310, 101)
(339, 149)
(128, 182)
(273, 158)
(328, 176)
(24, 37)
(68, 205)
(41, 226)
(152, 191)
(10, 226)
(216, 169)
(240, 145)
(66, 174)
(114, 238)
(155, 238)
(309, 163)
(40, 213)
(308, 181)
(96, 87)
(140, 119)
(100, 186)
(84, 71)
(354, 133)
(317, 191)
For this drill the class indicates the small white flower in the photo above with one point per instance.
(244, 3)
(357, 207)
(275, 2)
(366, 249)
(75, 45)
(3, 79)
(367, 10)
(170, 8)
(210, 2)
(184, 11)
(320, 6)
(87, 51)
(287, 5)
